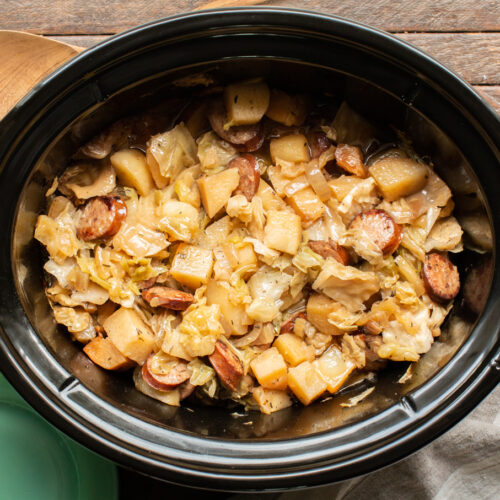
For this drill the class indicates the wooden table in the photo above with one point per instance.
(463, 34)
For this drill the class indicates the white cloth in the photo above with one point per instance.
(462, 464)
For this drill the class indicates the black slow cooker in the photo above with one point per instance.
(384, 78)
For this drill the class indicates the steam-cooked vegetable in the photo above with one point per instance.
(192, 265)
(397, 177)
(346, 284)
(169, 153)
(85, 180)
(129, 334)
(290, 148)
(103, 353)
(232, 260)
(333, 368)
(319, 307)
(307, 204)
(270, 369)
(293, 350)
(270, 401)
(305, 382)
(132, 170)
(215, 190)
(282, 231)
(246, 103)
(287, 109)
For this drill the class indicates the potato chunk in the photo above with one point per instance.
(293, 148)
(131, 169)
(397, 177)
(333, 368)
(307, 204)
(270, 401)
(216, 233)
(215, 190)
(270, 369)
(305, 382)
(246, 102)
(234, 317)
(283, 231)
(192, 265)
(293, 349)
(319, 306)
(129, 334)
(287, 109)
(104, 353)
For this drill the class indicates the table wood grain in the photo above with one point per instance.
(463, 34)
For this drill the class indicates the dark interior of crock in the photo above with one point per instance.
(387, 111)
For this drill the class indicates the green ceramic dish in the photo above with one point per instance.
(38, 461)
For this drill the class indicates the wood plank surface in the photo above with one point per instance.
(112, 16)
(474, 56)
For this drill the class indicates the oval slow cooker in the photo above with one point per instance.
(385, 79)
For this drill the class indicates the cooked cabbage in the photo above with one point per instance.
(307, 260)
(179, 220)
(58, 236)
(346, 284)
(214, 153)
(361, 197)
(75, 320)
(86, 180)
(201, 373)
(138, 241)
(395, 334)
(200, 328)
(172, 151)
(445, 235)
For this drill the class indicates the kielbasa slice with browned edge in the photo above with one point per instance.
(248, 168)
(186, 389)
(101, 217)
(350, 158)
(227, 365)
(253, 144)
(169, 298)
(380, 228)
(318, 143)
(177, 374)
(289, 324)
(441, 278)
(330, 249)
(244, 136)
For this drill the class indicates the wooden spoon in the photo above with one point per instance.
(26, 59)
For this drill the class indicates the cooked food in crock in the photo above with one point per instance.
(250, 252)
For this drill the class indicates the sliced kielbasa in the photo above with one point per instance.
(350, 158)
(380, 228)
(169, 298)
(248, 168)
(441, 278)
(176, 375)
(253, 144)
(289, 324)
(227, 365)
(186, 389)
(240, 135)
(330, 249)
(318, 143)
(101, 217)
